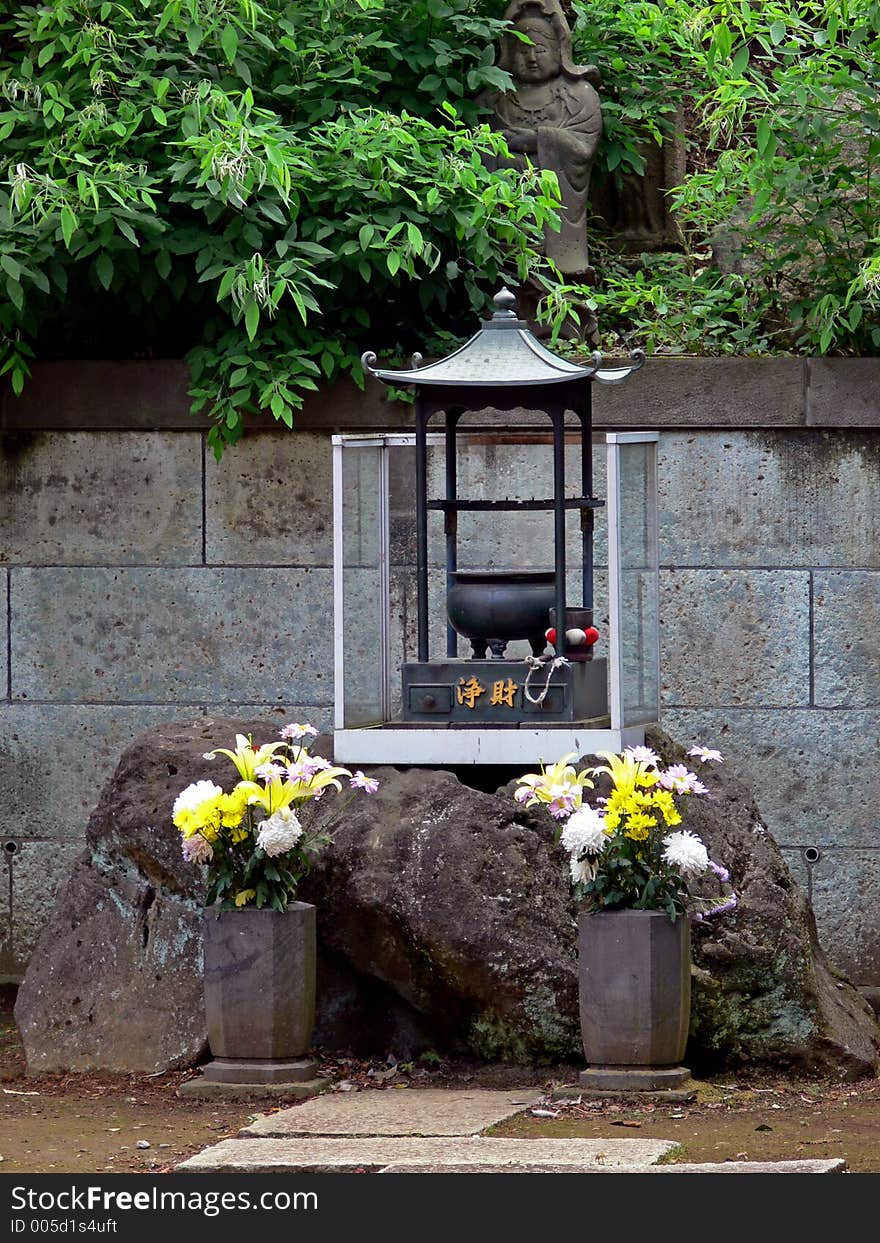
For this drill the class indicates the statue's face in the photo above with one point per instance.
(539, 60)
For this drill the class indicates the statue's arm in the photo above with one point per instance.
(525, 140)
(576, 144)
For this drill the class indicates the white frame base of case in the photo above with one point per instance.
(404, 746)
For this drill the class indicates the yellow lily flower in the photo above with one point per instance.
(246, 757)
(623, 770)
(559, 779)
(277, 794)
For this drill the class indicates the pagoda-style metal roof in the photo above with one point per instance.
(503, 354)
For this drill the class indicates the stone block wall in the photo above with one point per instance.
(142, 581)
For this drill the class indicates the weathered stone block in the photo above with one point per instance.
(319, 715)
(4, 630)
(39, 869)
(846, 890)
(845, 648)
(54, 760)
(843, 392)
(706, 392)
(735, 637)
(9, 970)
(112, 498)
(132, 395)
(270, 501)
(803, 766)
(186, 635)
(769, 498)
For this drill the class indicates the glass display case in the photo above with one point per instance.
(411, 687)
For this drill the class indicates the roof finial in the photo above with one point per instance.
(505, 304)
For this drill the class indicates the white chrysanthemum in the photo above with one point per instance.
(582, 871)
(190, 798)
(280, 832)
(197, 849)
(686, 852)
(584, 832)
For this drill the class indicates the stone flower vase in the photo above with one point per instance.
(634, 978)
(260, 993)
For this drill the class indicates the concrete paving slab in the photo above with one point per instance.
(396, 1111)
(837, 1166)
(202, 1089)
(316, 1156)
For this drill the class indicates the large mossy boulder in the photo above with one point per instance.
(444, 922)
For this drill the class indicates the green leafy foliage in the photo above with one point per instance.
(268, 187)
(780, 102)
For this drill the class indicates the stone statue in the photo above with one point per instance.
(554, 117)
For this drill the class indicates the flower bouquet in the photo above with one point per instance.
(251, 838)
(632, 866)
(627, 852)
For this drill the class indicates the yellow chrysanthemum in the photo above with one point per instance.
(637, 826)
(665, 804)
(233, 806)
(204, 818)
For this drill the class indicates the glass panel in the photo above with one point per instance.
(361, 630)
(638, 583)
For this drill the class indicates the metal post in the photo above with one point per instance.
(422, 526)
(558, 417)
(450, 520)
(585, 414)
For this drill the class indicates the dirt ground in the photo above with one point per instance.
(89, 1123)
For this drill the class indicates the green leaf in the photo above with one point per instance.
(766, 138)
(741, 60)
(229, 43)
(68, 225)
(777, 32)
(158, 115)
(16, 293)
(104, 268)
(723, 40)
(194, 36)
(47, 51)
(127, 231)
(252, 320)
(10, 267)
(274, 212)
